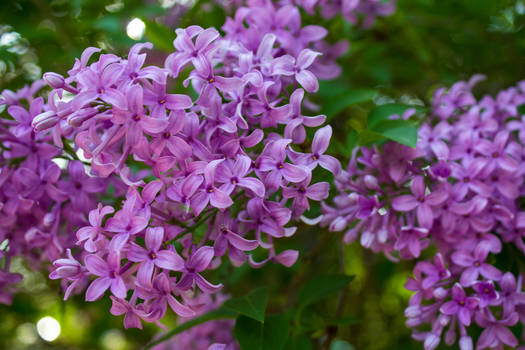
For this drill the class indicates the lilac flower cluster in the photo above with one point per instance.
(459, 189)
(40, 203)
(351, 10)
(204, 178)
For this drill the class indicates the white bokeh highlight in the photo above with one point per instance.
(135, 29)
(48, 328)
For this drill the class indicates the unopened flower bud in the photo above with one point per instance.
(44, 121)
(465, 343)
(55, 80)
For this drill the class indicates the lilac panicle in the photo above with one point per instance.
(458, 191)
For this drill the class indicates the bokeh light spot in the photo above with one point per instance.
(135, 29)
(48, 328)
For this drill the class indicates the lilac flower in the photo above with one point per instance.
(317, 157)
(495, 152)
(25, 118)
(134, 118)
(162, 295)
(227, 237)
(420, 200)
(469, 179)
(288, 65)
(109, 276)
(160, 101)
(510, 292)
(411, 238)
(496, 332)
(99, 85)
(304, 191)
(210, 193)
(198, 262)
(460, 305)
(187, 49)
(295, 127)
(233, 174)
(486, 293)
(475, 265)
(88, 235)
(71, 270)
(153, 256)
(273, 161)
(122, 307)
(434, 272)
(268, 114)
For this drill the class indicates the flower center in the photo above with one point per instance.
(152, 255)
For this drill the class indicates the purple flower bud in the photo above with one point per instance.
(55, 80)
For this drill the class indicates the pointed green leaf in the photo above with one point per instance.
(270, 335)
(383, 112)
(275, 333)
(399, 130)
(248, 333)
(336, 104)
(368, 137)
(252, 304)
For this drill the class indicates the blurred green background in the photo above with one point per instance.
(404, 57)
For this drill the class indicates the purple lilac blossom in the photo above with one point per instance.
(459, 192)
(220, 176)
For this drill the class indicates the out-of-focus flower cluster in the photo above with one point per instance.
(353, 11)
(187, 181)
(213, 335)
(459, 192)
(40, 204)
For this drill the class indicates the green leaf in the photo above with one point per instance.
(320, 287)
(217, 314)
(367, 137)
(248, 333)
(270, 335)
(275, 333)
(252, 304)
(336, 104)
(299, 342)
(383, 112)
(399, 130)
(161, 36)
